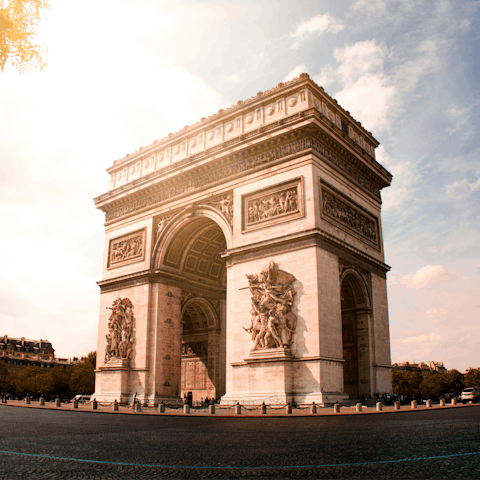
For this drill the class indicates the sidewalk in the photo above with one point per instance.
(223, 411)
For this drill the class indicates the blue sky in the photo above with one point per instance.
(123, 73)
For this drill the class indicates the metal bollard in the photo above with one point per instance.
(414, 404)
(442, 402)
(75, 403)
(186, 409)
(336, 408)
(313, 408)
(397, 406)
(211, 409)
(161, 407)
(94, 404)
(42, 402)
(27, 400)
(379, 406)
(264, 409)
(454, 401)
(429, 403)
(358, 407)
(238, 409)
(138, 407)
(115, 406)
(58, 403)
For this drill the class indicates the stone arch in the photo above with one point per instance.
(206, 307)
(356, 327)
(359, 287)
(202, 356)
(188, 254)
(176, 221)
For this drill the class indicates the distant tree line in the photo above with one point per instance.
(62, 381)
(434, 385)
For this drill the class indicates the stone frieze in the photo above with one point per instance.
(187, 182)
(127, 249)
(343, 213)
(273, 205)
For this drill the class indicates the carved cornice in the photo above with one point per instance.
(228, 168)
(303, 81)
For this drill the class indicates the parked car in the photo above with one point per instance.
(470, 394)
(81, 398)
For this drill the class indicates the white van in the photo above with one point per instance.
(81, 398)
(470, 394)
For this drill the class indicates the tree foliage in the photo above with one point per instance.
(19, 20)
(406, 383)
(472, 378)
(59, 380)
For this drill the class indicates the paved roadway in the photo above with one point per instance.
(206, 447)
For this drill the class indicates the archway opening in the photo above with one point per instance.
(194, 258)
(355, 339)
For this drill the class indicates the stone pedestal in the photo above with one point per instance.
(114, 380)
(265, 376)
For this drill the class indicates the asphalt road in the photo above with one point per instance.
(108, 446)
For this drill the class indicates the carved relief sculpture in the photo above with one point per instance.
(121, 327)
(161, 224)
(343, 213)
(273, 323)
(274, 205)
(225, 205)
(127, 249)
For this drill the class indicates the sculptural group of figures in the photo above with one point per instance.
(126, 249)
(272, 205)
(337, 209)
(273, 323)
(120, 330)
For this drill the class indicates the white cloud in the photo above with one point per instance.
(426, 276)
(369, 7)
(316, 25)
(460, 120)
(434, 316)
(463, 188)
(295, 72)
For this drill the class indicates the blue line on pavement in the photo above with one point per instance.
(379, 462)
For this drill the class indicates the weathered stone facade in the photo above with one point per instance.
(249, 246)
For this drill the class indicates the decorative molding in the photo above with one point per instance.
(127, 249)
(269, 206)
(189, 181)
(346, 214)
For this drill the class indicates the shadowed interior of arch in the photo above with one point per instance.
(355, 338)
(194, 255)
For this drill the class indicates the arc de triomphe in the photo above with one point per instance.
(244, 259)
